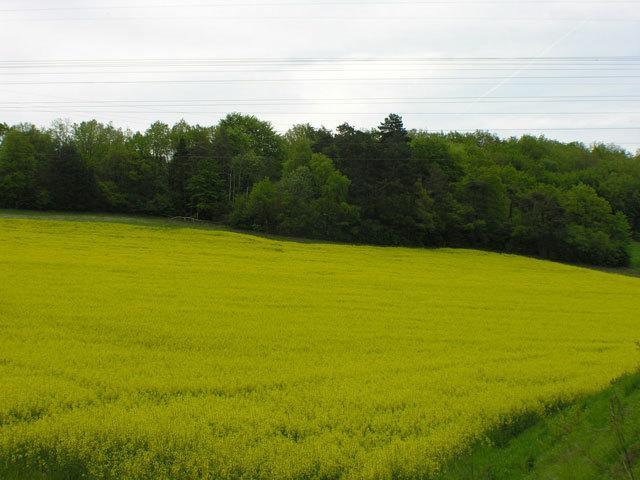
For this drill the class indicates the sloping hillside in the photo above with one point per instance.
(161, 351)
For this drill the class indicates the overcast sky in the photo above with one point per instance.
(442, 64)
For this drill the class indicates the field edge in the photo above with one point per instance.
(569, 444)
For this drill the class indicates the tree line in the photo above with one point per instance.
(385, 186)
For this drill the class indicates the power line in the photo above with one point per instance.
(379, 79)
(303, 102)
(292, 80)
(395, 3)
(245, 18)
(424, 69)
(364, 99)
(466, 113)
(262, 60)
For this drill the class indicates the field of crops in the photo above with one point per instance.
(161, 352)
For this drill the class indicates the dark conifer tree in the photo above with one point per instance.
(70, 182)
(180, 171)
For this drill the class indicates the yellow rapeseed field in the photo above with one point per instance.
(162, 352)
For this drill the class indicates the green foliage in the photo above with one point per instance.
(157, 142)
(622, 192)
(249, 150)
(260, 209)
(634, 254)
(181, 168)
(314, 200)
(486, 216)
(593, 233)
(540, 220)
(20, 172)
(383, 186)
(70, 182)
(205, 189)
(311, 199)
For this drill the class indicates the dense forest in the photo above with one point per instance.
(386, 186)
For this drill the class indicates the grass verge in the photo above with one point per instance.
(597, 438)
